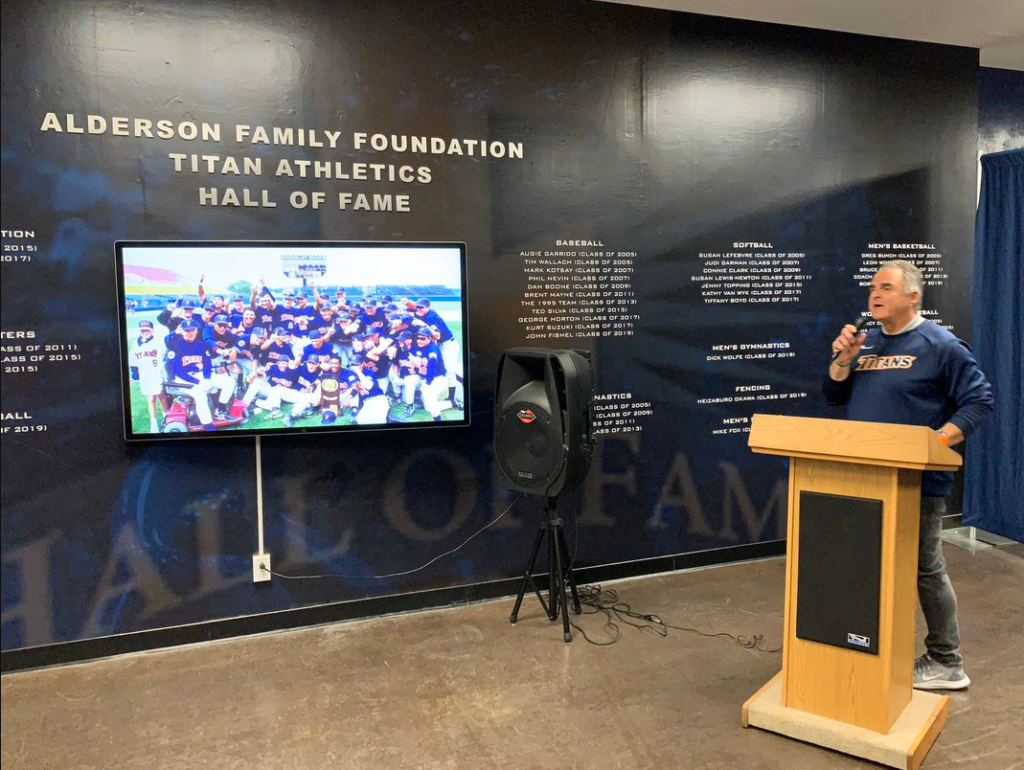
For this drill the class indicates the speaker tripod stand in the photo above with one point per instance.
(560, 575)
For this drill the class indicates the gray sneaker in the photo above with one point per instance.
(929, 674)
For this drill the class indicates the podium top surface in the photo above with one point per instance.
(871, 443)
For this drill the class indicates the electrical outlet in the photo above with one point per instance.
(260, 567)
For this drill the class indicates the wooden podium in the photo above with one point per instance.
(840, 694)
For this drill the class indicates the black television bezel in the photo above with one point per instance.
(122, 318)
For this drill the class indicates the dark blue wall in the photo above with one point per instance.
(1000, 116)
(667, 135)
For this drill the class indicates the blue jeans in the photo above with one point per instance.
(934, 589)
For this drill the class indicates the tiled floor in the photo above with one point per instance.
(462, 688)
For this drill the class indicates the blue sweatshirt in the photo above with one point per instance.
(925, 376)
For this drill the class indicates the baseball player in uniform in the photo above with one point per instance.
(373, 404)
(278, 346)
(303, 308)
(334, 394)
(378, 355)
(192, 362)
(147, 364)
(450, 349)
(267, 311)
(244, 323)
(408, 364)
(431, 377)
(176, 312)
(286, 311)
(317, 345)
(249, 344)
(219, 305)
(238, 311)
(259, 387)
(220, 340)
(283, 383)
(305, 393)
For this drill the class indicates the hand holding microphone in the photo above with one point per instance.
(846, 346)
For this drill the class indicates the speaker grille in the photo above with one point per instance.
(529, 448)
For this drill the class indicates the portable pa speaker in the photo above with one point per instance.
(542, 437)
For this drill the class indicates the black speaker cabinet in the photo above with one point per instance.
(542, 436)
(840, 571)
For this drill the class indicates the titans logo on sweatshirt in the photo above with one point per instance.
(881, 363)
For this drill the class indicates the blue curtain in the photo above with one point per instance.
(994, 473)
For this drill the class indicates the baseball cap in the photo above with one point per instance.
(189, 325)
(312, 359)
(259, 331)
(424, 332)
(145, 324)
(406, 335)
(238, 298)
(220, 318)
(188, 305)
(316, 334)
(289, 295)
(280, 331)
(207, 305)
(423, 303)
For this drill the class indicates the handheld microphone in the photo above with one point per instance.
(858, 328)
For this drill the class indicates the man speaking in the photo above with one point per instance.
(914, 372)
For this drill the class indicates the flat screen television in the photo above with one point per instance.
(228, 338)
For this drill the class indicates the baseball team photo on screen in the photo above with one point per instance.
(231, 337)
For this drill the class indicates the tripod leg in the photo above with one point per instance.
(552, 596)
(527, 576)
(557, 569)
(569, 575)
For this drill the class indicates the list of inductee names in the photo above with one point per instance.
(19, 246)
(619, 413)
(751, 272)
(925, 256)
(754, 395)
(20, 424)
(733, 408)
(579, 289)
(24, 352)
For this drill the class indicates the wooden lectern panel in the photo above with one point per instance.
(850, 441)
(847, 700)
(869, 691)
